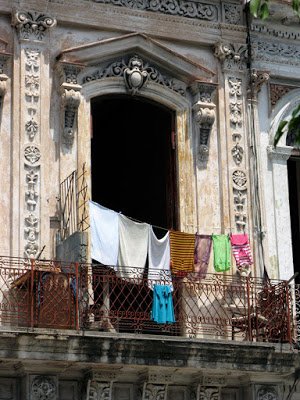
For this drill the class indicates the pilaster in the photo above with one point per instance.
(31, 133)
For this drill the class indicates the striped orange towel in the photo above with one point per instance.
(182, 248)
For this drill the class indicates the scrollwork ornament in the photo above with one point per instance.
(33, 25)
(209, 393)
(232, 56)
(43, 388)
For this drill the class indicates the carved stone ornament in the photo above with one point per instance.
(136, 73)
(205, 115)
(278, 91)
(33, 25)
(190, 9)
(154, 392)
(257, 79)
(275, 52)
(209, 393)
(237, 153)
(267, 393)
(232, 13)
(232, 56)
(32, 154)
(43, 388)
(99, 390)
(239, 179)
(71, 97)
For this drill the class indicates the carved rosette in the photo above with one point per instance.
(71, 97)
(43, 388)
(204, 114)
(32, 25)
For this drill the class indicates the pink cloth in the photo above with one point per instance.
(241, 249)
(203, 245)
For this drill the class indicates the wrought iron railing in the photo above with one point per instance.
(84, 296)
(73, 203)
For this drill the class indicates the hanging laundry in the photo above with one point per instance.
(241, 249)
(133, 248)
(104, 234)
(159, 260)
(203, 245)
(162, 305)
(182, 247)
(222, 255)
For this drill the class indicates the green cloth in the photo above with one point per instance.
(222, 252)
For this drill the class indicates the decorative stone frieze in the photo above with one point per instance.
(32, 25)
(232, 13)
(205, 114)
(71, 97)
(278, 91)
(232, 56)
(136, 73)
(274, 31)
(276, 52)
(43, 388)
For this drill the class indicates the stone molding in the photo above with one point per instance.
(279, 153)
(275, 32)
(32, 25)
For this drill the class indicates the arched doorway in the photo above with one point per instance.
(133, 158)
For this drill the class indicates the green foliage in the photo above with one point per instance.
(293, 125)
(260, 8)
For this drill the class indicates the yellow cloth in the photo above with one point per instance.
(182, 247)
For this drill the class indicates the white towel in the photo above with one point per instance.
(159, 260)
(133, 248)
(104, 234)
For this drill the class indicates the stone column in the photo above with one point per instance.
(31, 112)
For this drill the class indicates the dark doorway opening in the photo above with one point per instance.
(294, 197)
(133, 159)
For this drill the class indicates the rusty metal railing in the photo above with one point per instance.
(73, 203)
(51, 294)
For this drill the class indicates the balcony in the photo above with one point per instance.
(81, 297)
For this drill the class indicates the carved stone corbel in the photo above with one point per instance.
(32, 25)
(71, 97)
(204, 114)
(257, 79)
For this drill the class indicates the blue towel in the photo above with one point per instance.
(162, 305)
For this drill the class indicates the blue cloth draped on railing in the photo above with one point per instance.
(162, 305)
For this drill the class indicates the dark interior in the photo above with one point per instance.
(133, 159)
(294, 196)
